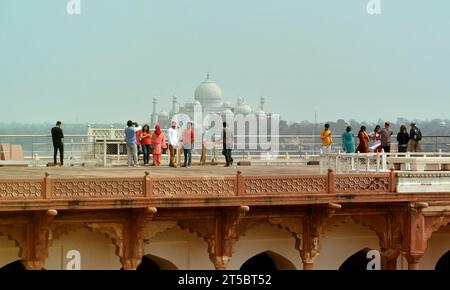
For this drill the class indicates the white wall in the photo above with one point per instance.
(187, 251)
(181, 247)
(97, 251)
(261, 238)
(342, 239)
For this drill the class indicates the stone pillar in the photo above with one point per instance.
(220, 232)
(313, 225)
(391, 256)
(413, 260)
(391, 264)
(133, 237)
(308, 266)
(388, 226)
(415, 237)
(127, 235)
(34, 250)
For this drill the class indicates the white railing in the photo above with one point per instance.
(353, 162)
(369, 162)
(38, 149)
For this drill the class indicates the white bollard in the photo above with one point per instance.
(104, 152)
(378, 162)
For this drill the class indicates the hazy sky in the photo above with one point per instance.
(106, 64)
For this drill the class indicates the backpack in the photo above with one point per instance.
(417, 134)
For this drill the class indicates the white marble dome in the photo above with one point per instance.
(208, 93)
(260, 113)
(226, 105)
(242, 107)
(163, 114)
(227, 113)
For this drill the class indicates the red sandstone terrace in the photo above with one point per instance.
(39, 206)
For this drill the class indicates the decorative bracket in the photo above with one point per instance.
(220, 232)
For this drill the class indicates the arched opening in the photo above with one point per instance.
(267, 261)
(444, 263)
(96, 250)
(15, 266)
(359, 261)
(153, 263)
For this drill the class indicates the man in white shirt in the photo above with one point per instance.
(172, 138)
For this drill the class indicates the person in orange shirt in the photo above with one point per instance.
(326, 139)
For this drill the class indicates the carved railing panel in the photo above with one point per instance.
(362, 183)
(157, 187)
(97, 188)
(194, 186)
(285, 184)
(21, 189)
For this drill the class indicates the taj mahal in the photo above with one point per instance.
(209, 95)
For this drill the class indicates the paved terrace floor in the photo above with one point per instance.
(206, 170)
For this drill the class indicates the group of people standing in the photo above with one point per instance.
(379, 139)
(140, 140)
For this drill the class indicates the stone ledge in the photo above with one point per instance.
(423, 174)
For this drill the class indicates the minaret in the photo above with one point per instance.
(154, 118)
(175, 105)
(261, 103)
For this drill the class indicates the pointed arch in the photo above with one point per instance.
(443, 264)
(358, 261)
(16, 266)
(267, 261)
(152, 263)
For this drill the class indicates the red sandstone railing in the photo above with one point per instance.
(150, 187)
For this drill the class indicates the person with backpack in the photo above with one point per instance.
(415, 136)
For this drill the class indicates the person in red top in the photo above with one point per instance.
(146, 141)
(376, 138)
(188, 144)
(158, 142)
(138, 139)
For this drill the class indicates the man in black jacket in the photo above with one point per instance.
(57, 138)
(415, 135)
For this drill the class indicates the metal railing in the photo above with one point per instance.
(300, 144)
(110, 149)
(38, 149)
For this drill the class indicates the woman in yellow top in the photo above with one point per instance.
(326, 139)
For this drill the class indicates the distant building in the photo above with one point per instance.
(209, 95)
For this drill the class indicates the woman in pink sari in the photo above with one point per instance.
(158, 142)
